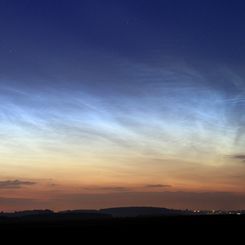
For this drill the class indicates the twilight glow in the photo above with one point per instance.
(114, 103)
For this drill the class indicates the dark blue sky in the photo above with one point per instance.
(84, 42)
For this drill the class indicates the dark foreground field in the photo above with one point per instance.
(175, 227)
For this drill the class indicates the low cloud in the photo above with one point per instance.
(109, 188)
(15, 184)
(157, 186)
(125, 189)
(240, 157)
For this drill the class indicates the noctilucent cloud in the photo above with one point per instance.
(106, 103)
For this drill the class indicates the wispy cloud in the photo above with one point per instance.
(15, 184)
(157, 186)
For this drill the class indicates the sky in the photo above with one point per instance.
(122, 103)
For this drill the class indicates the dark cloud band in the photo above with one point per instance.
(15, 184)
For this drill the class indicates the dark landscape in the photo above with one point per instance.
(129, 220)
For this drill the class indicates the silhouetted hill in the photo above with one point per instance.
(79, 211)
(48, 215)
(108, 212)
(112, 212)
(142, 211)
(26, 213)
